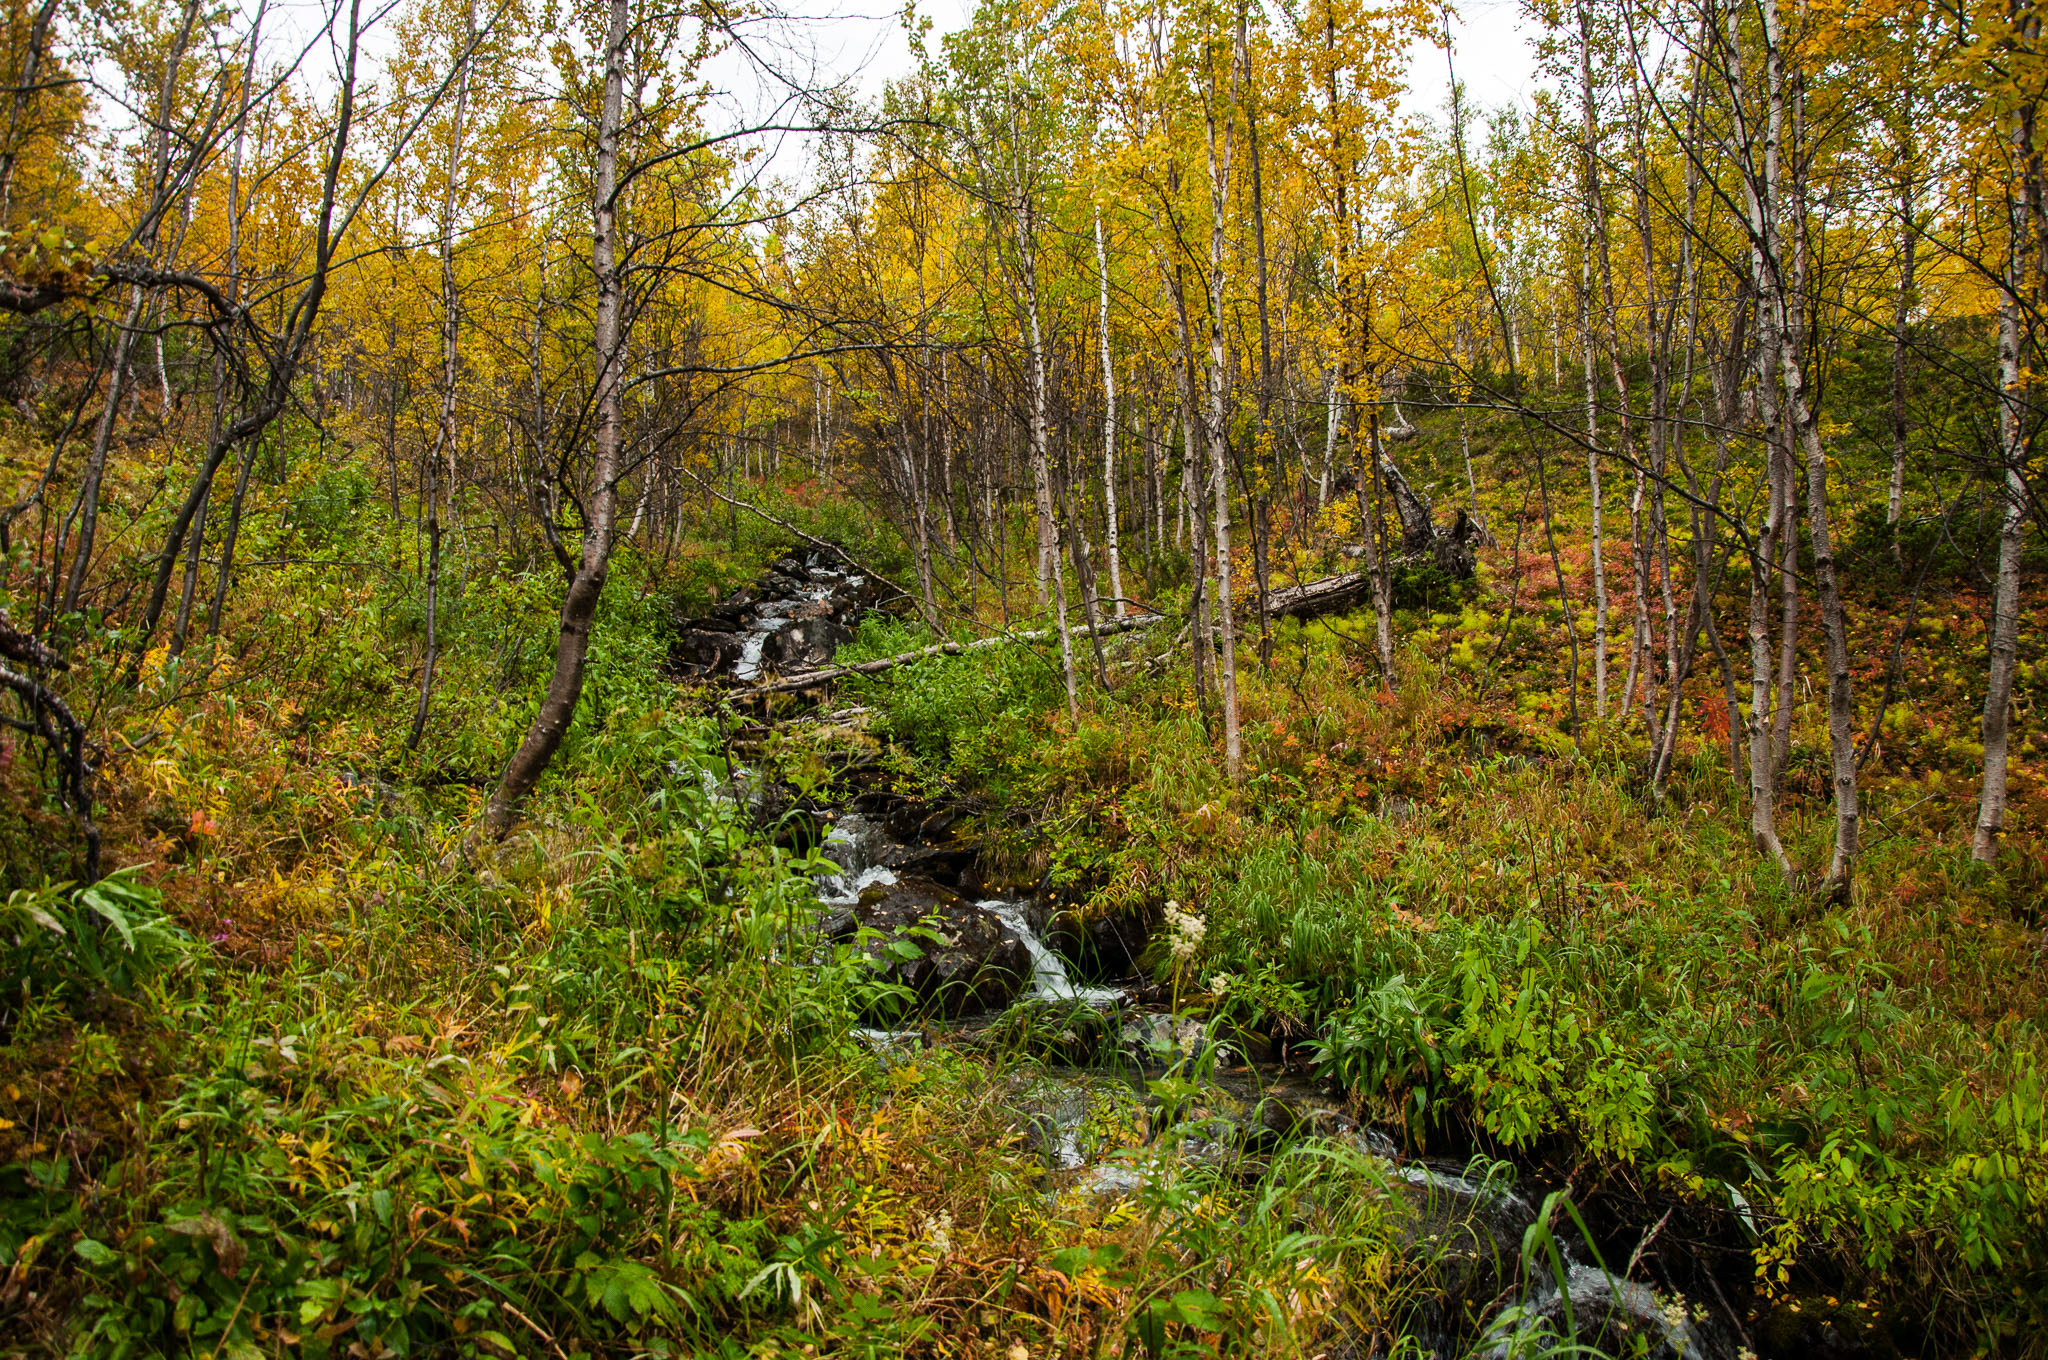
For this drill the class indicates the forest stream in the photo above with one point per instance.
(1001, 968)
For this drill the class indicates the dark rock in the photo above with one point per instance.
(875, 803)
(1467, 1234)
(942, 825)
(703, 650)
(905, 816)
(807, 642)
(1111, 944)
(1065, 933)
(947, 864)
(967, 961)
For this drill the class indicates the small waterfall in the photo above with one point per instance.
(852, 844)
(844, 890)
(748, 667)
(1049, 980)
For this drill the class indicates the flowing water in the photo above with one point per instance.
(1049, 980)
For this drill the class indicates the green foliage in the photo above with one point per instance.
(1394, 1041)
(62, 947)
(970, 716)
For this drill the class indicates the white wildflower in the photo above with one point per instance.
(1184, 932)
(939, 1232)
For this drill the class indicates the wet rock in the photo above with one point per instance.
(942, 825)
(966, 960)
(704, 650)
(1613, 1316)
(795, 617)
(947, 864)
(807, 642)
(1066, 932)
(1157, 1039)
(903, 816)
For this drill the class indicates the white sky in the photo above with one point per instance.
(1492, 46)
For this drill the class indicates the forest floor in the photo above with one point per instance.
(317, 1076)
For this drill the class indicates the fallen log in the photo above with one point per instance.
(1320, 596)
(798, 680)
(1304, 600)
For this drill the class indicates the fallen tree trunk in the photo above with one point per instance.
(810, 679)
(1319, 596)
(1304, 600)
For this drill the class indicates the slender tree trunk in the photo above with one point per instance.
(1785, 485)
(1157, 428)
(946, 472)
(2004, 641)
(1071, 501)
(1465, 447)
(1804, 421)
(451, 353)
(1258, 491)
(1041, 462)
(1835, 630)
(1757, 205)
(1646, 517)
(1200, 636)
(1111, 544)
(1333, 403)
(586, 585)
(224, 570)
(188, 591)
(288, 353)
(1219, 432)
(1378, 547)
(96, 461)
(1902, 317)
(1595, 211)
(160, 155)
(1763, 765)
